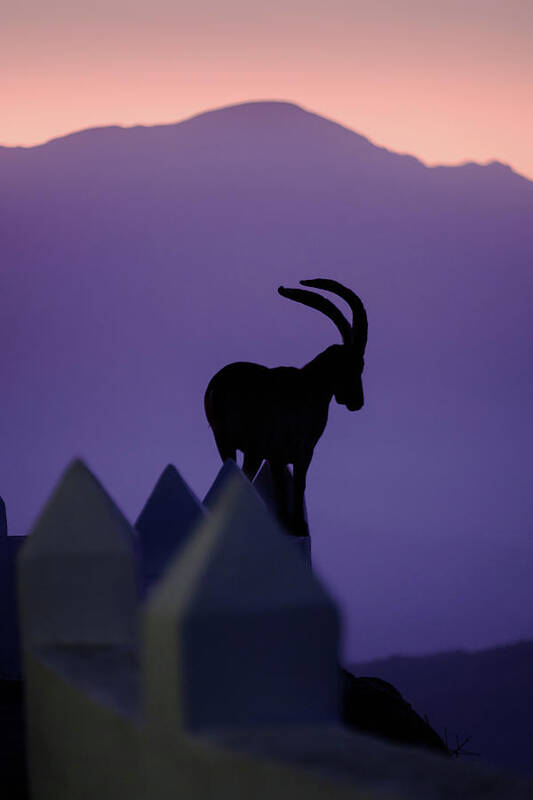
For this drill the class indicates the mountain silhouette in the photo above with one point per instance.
(486, 696)
(136, 262)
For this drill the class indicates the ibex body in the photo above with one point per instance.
(279, 414)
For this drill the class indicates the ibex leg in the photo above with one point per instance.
(281, 495)
(224, 448)
(299, 524)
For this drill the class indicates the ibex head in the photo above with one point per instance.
(347, 359)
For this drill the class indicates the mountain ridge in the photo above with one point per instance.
(485, 694)
(452, 653)
(261, 110)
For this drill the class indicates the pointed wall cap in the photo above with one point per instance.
(227, 473)
(79, 515)
(165, 523)
(78, 568)
(239, 632)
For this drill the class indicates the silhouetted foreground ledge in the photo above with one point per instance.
(381, 769)
(218, 678)
(325, 750)
(483, 696)
(374, 706)
(13, 777)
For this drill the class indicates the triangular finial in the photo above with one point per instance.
(239, 632)
(165, 523)
(77, 569)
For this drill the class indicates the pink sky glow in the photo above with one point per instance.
(448, 81)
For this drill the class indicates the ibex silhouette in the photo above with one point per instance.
(280, 414)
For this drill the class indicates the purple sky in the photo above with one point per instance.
(137, 263)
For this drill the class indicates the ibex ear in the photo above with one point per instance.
(359, 318)
(321, 304)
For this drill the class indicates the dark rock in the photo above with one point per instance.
(12, 745)
(375, 706)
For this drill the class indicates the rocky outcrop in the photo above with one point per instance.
(375, 706)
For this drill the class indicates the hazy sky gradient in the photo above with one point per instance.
(137, 263)
(447, 81)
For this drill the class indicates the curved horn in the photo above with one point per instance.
(321, 304)
(360, 321)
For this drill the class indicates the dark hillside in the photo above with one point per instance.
(486, 695)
